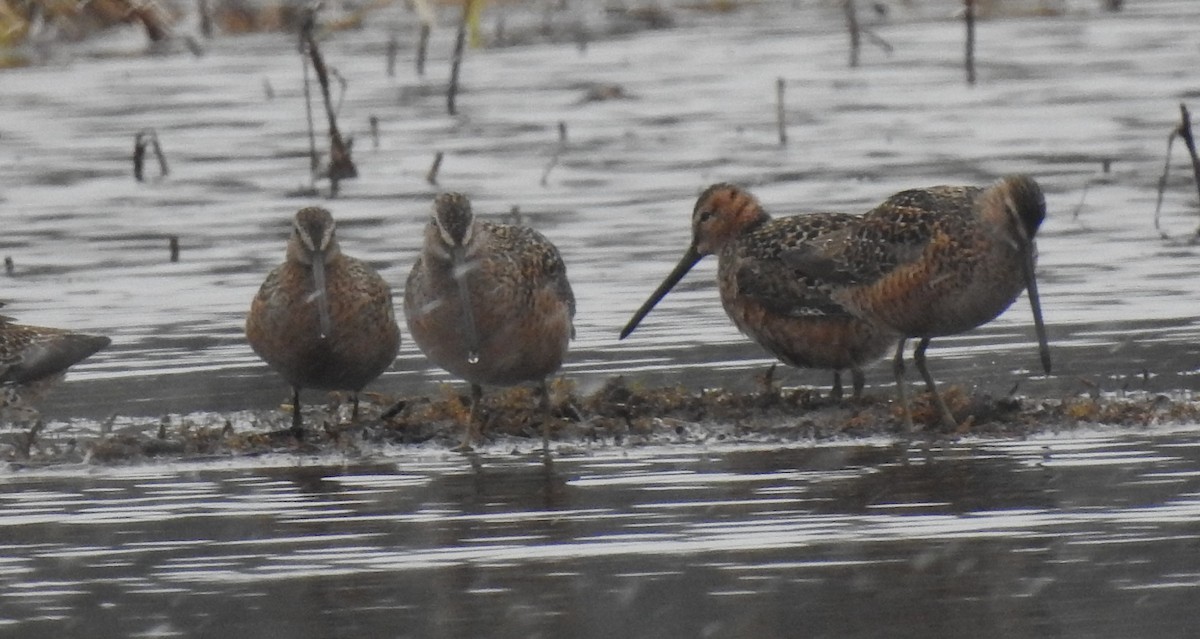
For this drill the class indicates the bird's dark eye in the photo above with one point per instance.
(706, 215)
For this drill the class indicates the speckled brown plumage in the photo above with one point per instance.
(32, 360)
(935, 261)
(344, 345)
(790, 315)
(490, 303)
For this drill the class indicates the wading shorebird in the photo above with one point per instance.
(490, 303)
(934, 262)
(32, 360)
(791, 316)
(322, 319)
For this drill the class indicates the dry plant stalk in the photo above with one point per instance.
(431, 176)
(852, 26)
(969, 18)
(460, 41)
(558, 150)
(1184, 131)
(144, 138)
(341, 166)
(393, 49)
(779, 111)
(422, 47)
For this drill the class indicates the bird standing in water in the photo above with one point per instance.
(791, 316)
(32, 360)
(933, 262)
(490, 303)
(323, 319)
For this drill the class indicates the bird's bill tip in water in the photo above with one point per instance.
(1036, 304)
(689, 259)
(458, 259)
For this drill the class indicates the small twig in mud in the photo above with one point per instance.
(393, 49)
(852, 26)
(779, 111)
(558, 151)
(1184, 130)
(9, 267)
(206, 21)
(431, 176)
(269, 90)
(969, 18)
(144, 138)
(341, 166)
(422, 47)
(460, 41)
(374, 123)
(173, 247)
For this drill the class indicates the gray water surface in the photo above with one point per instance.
(1084, 533)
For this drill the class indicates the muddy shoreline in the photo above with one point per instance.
(622, 413)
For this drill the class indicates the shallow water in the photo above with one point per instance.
(1090, 534)
(1055, 97)
(1077, 535)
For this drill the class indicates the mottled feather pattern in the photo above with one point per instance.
(33, 359)
(521, 303)
(525, 260)
(761, 274)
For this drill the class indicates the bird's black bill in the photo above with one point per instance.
(320, 294)
(1036, 304)
(685, 264)
(458, 262)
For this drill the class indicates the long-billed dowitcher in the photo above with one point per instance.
(792, 317)
(32, 360)
(323, 319)
(933, 262)
(489, 303)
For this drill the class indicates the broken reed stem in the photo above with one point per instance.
(206, 21)
(173, 247)
(852, 27)
(1183, 130)
(342, 84)
(779, 111)
(144, 138)
(877, 40)
(460, 41)
(431, 176)
(422, 47)
(393, 50)
(341, 166)
(969, 18)
(374, 123)
(9, 267)
(558, 150)
(314, 162)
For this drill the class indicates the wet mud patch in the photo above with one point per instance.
(620, 414)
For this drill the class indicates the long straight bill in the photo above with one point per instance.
(1036, 304)
(460, 268)
(685, 264)
(320, 294)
